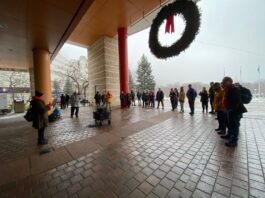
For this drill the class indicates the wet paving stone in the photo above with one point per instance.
(179, 157)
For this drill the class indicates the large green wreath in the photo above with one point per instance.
(191, 15)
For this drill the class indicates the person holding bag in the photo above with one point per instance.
(40, 116)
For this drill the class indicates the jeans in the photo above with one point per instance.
(181, 106)
(233, 125)
(74, 110)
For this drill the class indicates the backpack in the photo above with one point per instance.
(246, 95)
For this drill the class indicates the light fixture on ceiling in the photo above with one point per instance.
(3, 26)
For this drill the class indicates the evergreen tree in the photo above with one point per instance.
(131, 81)
(68, 87)
(145, 78)
(56, 87)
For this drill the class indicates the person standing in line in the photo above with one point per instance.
(234, 109)
(75, 103)
(181, 99)
(63, 101)
(139, 97)
(103, 98)
(40, 116)
(204, 100)
(128, 99)
(218, 107)
(160, 98)
(97, 98)
(172, 96)
(67, 98)
(108, 100)
(123, 99)
(152, 99)
(144, 98)
(191, 95)
(177, 96)
(211, 95)
(133, 97)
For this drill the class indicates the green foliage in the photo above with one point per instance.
(56, 86)
(132, 84)
(145, 78)
(68, 87)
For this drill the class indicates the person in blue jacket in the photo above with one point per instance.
(191, 95)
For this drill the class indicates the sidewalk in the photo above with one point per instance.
(154, 154)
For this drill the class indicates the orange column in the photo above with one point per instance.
(42, 73)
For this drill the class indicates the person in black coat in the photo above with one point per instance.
(123, 99)
(63, 101)
(40, 116)
(160, 98)
(204, 99)
(67, 98)
(211, 96)
(97, 99)
(144, 99)
(173, 97)
(139, 97)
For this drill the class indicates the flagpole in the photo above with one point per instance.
(240, 75)
(259, 83)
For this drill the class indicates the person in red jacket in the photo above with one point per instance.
(233, 109)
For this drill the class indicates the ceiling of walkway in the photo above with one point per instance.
(28, 24)
(48, 24)
(104, 17)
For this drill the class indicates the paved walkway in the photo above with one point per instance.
(154, 154)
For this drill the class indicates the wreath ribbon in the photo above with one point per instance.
(170, 27)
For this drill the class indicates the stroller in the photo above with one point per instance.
(102, 114)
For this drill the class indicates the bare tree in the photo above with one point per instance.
(78, 73)
(15, 79)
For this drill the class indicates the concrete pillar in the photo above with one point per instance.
(103, 68)
(123, 60)
(42, 73)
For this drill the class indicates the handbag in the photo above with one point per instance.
(29, 115)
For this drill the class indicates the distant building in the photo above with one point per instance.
(60, 66)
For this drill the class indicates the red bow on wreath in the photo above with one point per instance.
(170, 28)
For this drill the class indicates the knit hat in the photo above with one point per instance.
(38, 93)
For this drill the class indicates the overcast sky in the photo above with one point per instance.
(231, 36)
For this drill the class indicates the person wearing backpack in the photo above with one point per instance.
(233, 109)
(40, 116)
(191, 95)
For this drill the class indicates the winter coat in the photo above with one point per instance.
(108, 97)
(159, 95)
(191, 94)
(40, 113)
(172, 95)
(181, 96)
(204, 96)
(211, 93)
(218, 98)
(232, 100)
(75, 100)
